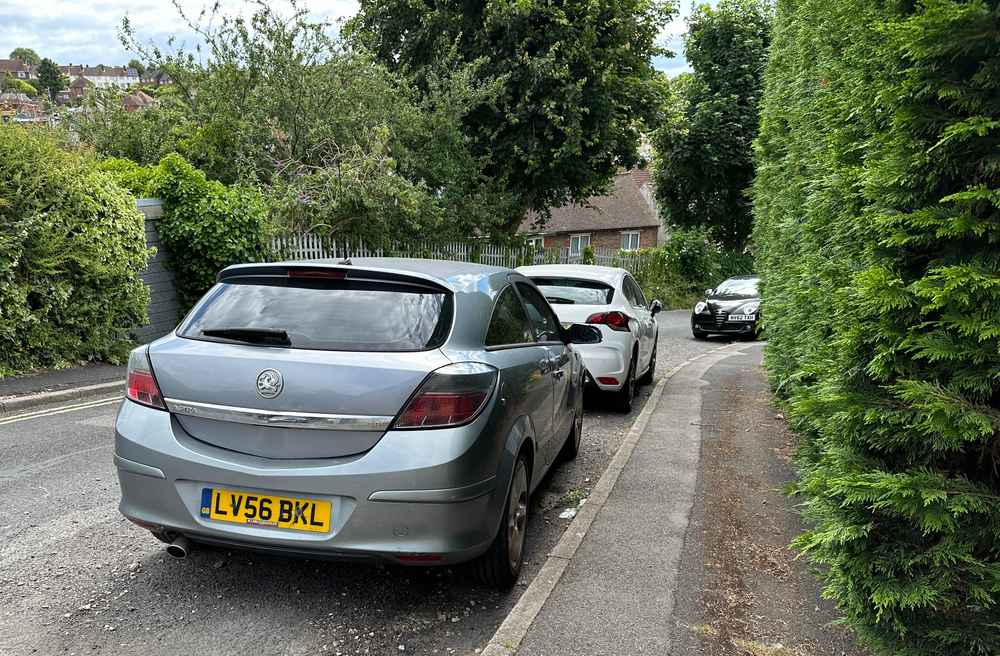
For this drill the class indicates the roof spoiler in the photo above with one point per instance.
(323, 271)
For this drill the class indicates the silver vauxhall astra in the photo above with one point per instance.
(381, 409)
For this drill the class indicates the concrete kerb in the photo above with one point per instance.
(17, 403)
(508, 637)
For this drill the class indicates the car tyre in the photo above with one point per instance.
(647, 378)
(623, 397)
(500, 566)
(571, 447)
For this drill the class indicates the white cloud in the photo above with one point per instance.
(87, 32)
(672, 38)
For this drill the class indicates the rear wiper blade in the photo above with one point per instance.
(251, 335)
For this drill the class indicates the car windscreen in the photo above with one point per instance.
(738, 287)
(329, 315)
(570, 291)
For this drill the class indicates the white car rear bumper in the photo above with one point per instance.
(609, 359)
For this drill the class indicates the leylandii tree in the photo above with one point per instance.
(575, 77)
(878, 234)
(704, 154)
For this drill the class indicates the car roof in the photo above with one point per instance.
(610, 275)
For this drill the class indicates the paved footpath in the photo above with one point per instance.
(688, 555)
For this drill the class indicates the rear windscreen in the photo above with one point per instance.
(568, 291)
(330, 315)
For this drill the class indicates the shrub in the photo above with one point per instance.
(878, 237)
(72, 246)
(129, 175)
(678, 272)
(206, 226)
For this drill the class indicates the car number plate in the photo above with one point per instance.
(265, 510)
(741, 317)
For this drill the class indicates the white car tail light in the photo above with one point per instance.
(451, 396)
(614, 320)
(141, 386)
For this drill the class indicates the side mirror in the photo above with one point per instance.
(579, 333)
(709, 291)
(655, 307)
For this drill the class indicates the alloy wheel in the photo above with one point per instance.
(517, 515)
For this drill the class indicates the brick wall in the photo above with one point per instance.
(164, 311)
(604, 238)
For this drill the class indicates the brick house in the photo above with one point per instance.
(16, 106)
(155, 78)
(15, 68)
(624, 219)
(78, 88)
(103, 76)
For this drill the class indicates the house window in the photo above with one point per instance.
(577, 243)
(536, 243)
(630, 240)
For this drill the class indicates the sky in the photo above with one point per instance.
(71, 31)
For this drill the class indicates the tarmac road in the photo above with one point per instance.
(76, 578)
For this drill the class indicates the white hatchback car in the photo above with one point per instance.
(610, 299)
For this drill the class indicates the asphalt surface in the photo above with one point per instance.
(76, 578)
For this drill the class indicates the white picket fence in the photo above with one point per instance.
(308, 246)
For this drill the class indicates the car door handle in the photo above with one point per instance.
(558, 373)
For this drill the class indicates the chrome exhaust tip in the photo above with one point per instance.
(180, 547)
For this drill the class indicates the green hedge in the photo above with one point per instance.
(679, 272)
(72, 246)
(878, 237)
(206, 226)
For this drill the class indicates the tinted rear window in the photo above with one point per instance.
(329, 316)
(568, 291)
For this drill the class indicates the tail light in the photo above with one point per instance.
(141, 386)
(451, 396)
(614, 320)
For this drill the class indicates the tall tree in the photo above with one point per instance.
(577, 82)
(704, 158)
(139, 67)
(50, 78)
(26, 55)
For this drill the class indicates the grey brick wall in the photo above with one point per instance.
(164, 311)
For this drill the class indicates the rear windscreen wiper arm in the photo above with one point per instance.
(251, 335)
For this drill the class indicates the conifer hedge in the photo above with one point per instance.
(877, 234)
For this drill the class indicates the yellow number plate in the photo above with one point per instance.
(265, 510)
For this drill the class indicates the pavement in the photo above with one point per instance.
(90, 381)
(688, 553)
(50, 380)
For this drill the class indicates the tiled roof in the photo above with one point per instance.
(13, 66)
(625, 207)
(75, 70)
(137, 100)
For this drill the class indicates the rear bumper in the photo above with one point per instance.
(609, 359)
(417, 497)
